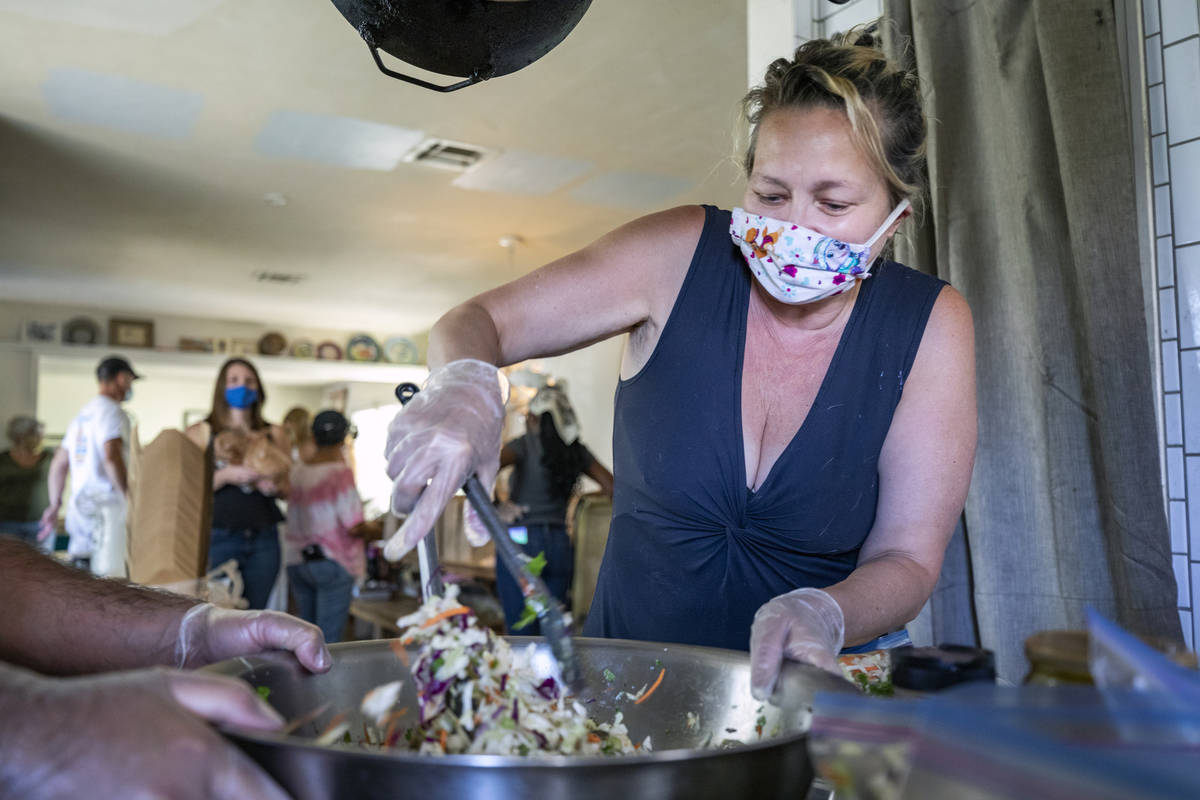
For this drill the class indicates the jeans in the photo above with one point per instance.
(560, 569)
(26, 532)
(322, 589)
(256, 551)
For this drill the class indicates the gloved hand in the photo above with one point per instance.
(208, 634)
(803, 625)
(137, 734)
(448, 431)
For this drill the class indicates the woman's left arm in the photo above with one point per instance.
(924, 472)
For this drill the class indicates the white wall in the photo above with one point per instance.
(157, 403)
(56, 393)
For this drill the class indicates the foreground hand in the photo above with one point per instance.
(208, 634)
(805, 625)
(447, 432)
(129, 734)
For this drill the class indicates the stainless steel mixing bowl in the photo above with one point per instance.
(687, 761)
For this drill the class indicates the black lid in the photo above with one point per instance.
(113, 366)
(927, 669)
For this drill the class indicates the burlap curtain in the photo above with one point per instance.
(1032, 217)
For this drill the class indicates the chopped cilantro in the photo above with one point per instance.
(657, 663)
(437, 663)
(528, 616)
(609, 675)
(263, 691)
(536, 564)
(506, 722)
(346, 737)
(523, 749)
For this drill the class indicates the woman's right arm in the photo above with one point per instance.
(624, 280)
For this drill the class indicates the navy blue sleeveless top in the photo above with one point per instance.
(692, 553)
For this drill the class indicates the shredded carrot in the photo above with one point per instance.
(443, 737)
(593, 737)
(451, 612)
(387, 736)
(333, 723)
(650, 691)
(407, 640)
(398, 649)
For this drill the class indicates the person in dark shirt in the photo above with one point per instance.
(547, 463)
(794, 426)
(246, 517)
(24, 468)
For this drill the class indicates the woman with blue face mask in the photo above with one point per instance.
(245, 517)
(794, 423)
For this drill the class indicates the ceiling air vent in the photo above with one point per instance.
(445, 154)
(287, 278)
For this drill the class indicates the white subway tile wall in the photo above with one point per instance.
(1172, 31)
(1179, 19)
(1150, 17)
(1158, 110)
(1187, 277)
(1174, 418)
(1181, 70)
(1179, 527)
(1166, 262)
(1176, 480)
(1185, 190)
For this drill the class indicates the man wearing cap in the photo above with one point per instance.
(94, 450)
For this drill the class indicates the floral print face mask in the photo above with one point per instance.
(798, 265)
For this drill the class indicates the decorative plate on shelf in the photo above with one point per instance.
(362, 348)
(272, 344)
(81, 330)
(400, 350)
(329, 350)
(303, 348)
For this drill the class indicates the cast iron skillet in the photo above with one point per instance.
(475, 39)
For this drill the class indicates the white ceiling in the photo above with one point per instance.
(144, 145)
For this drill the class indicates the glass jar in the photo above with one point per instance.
(1058, 657)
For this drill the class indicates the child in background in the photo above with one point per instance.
(324, 556)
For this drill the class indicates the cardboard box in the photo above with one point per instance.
(170, 510)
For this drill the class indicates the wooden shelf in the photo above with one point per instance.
(275, 370)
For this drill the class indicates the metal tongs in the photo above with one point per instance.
(552, 617)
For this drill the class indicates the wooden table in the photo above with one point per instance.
(382, 614)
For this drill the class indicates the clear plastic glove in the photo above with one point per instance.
(139, 734)
(804, 625)
(448, 431)
(208, 634)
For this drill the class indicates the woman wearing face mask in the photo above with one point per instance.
(795, 421)
(245, 516)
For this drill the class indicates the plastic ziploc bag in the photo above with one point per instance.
(969, 753)
(862, 745)
(1119, 660)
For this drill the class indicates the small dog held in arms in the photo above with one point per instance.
(253, 450)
